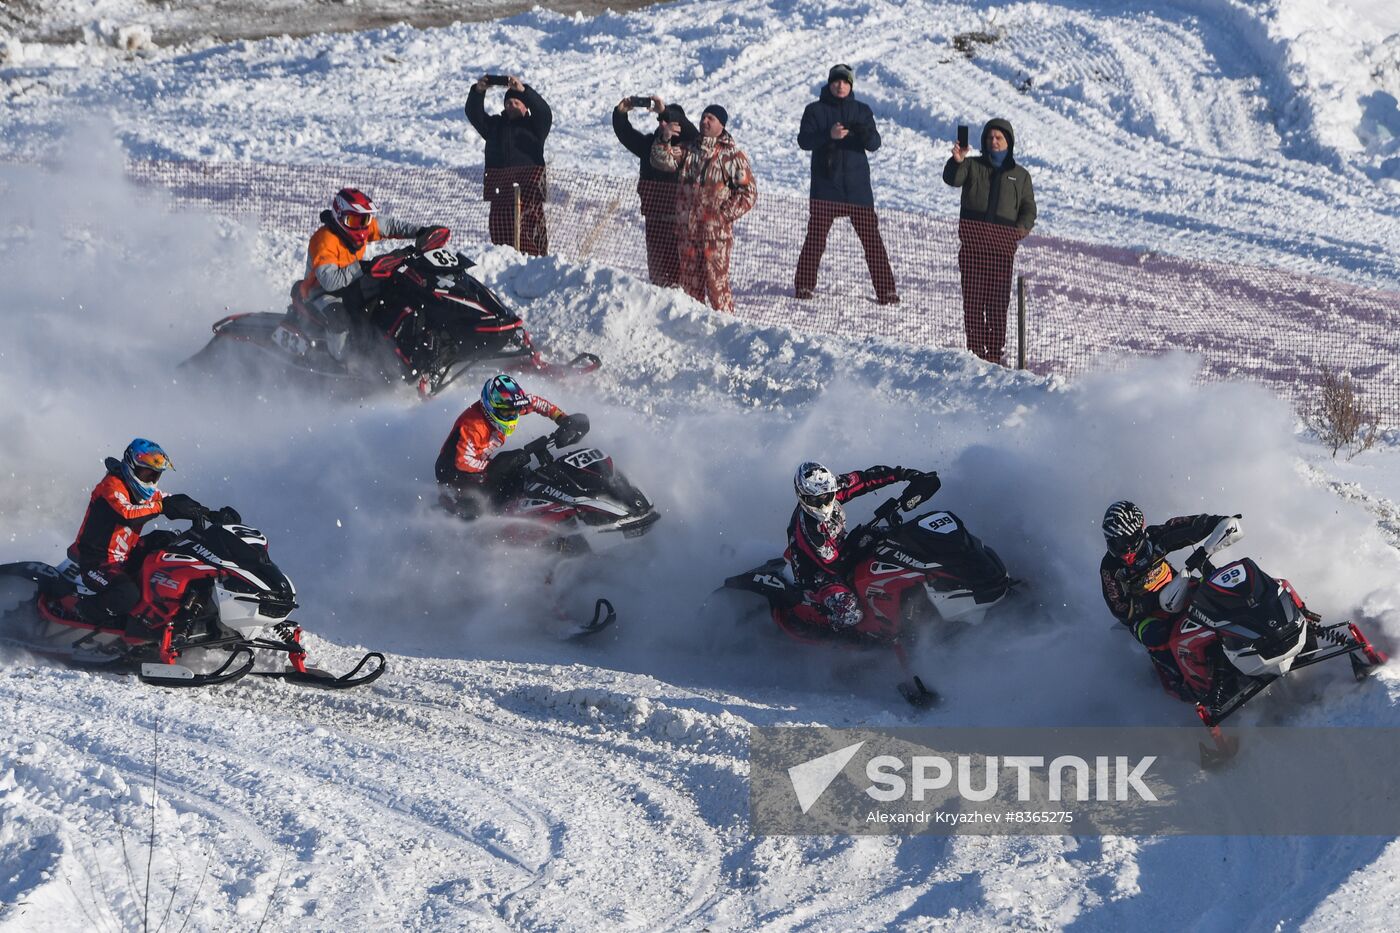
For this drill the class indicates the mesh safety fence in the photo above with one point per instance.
(920, 278)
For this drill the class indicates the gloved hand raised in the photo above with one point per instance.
(571, 429)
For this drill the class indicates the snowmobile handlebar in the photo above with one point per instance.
(227, 515)
(570, 431)
(539, 449)
(918, 491)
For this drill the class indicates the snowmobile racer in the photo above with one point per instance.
(817, 530)
(207, 601)
(901, 572)
(470, 476)
(1133, 547)
(1227, 632)
(109, 544)
(337, 275)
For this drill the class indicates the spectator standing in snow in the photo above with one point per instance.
(716, 188)
(998, 210)
(514, 157)
(839, 130)
(657, 188)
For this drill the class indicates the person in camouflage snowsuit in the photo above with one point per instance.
(716, 188)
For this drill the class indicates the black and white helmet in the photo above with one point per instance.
(1124, 529)
(816, 489)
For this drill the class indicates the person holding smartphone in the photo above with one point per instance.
(514, 157)
(656, 187)
(998, 210)
(839, 130)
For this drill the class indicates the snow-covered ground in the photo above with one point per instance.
(1263, 131)
(499, 778)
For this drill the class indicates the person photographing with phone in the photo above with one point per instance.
(657, 188)
(514, 157)
(839, 130)
(998, 210)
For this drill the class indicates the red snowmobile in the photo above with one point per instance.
(903, 572)
(1236, 630)
(209, 593)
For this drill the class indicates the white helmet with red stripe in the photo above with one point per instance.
(353, 212)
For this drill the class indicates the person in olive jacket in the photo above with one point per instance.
(998, 210)
(514, 156)
(839, 130)
(656, 187)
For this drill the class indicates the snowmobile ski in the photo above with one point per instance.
(917, 694)
(1224, 748)
(603, 616)
(238, 664)
(315, 677)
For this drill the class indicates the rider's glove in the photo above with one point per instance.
(509, 462)
(179, 506)
(382, 267)
(929, 483)
(227, 515)
(430, 238)
(571, 429)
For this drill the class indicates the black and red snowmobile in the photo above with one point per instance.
(430, 321)
(906, 573)
(211, 599)
(1236, 631)
(573, 501)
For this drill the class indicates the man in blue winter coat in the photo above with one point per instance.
(839, 130)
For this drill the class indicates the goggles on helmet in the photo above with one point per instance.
(150, 460)
(356, 221)
(818, 501)
(1128, 548)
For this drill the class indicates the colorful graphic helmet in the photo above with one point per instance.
(353, 211)
(816, 489)
(1125, 531)
(142, 464)
(504, 401)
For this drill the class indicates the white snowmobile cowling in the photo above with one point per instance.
(1174, 594)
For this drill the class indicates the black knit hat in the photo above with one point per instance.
(512, 93)
(719, 112)
(841, 73)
